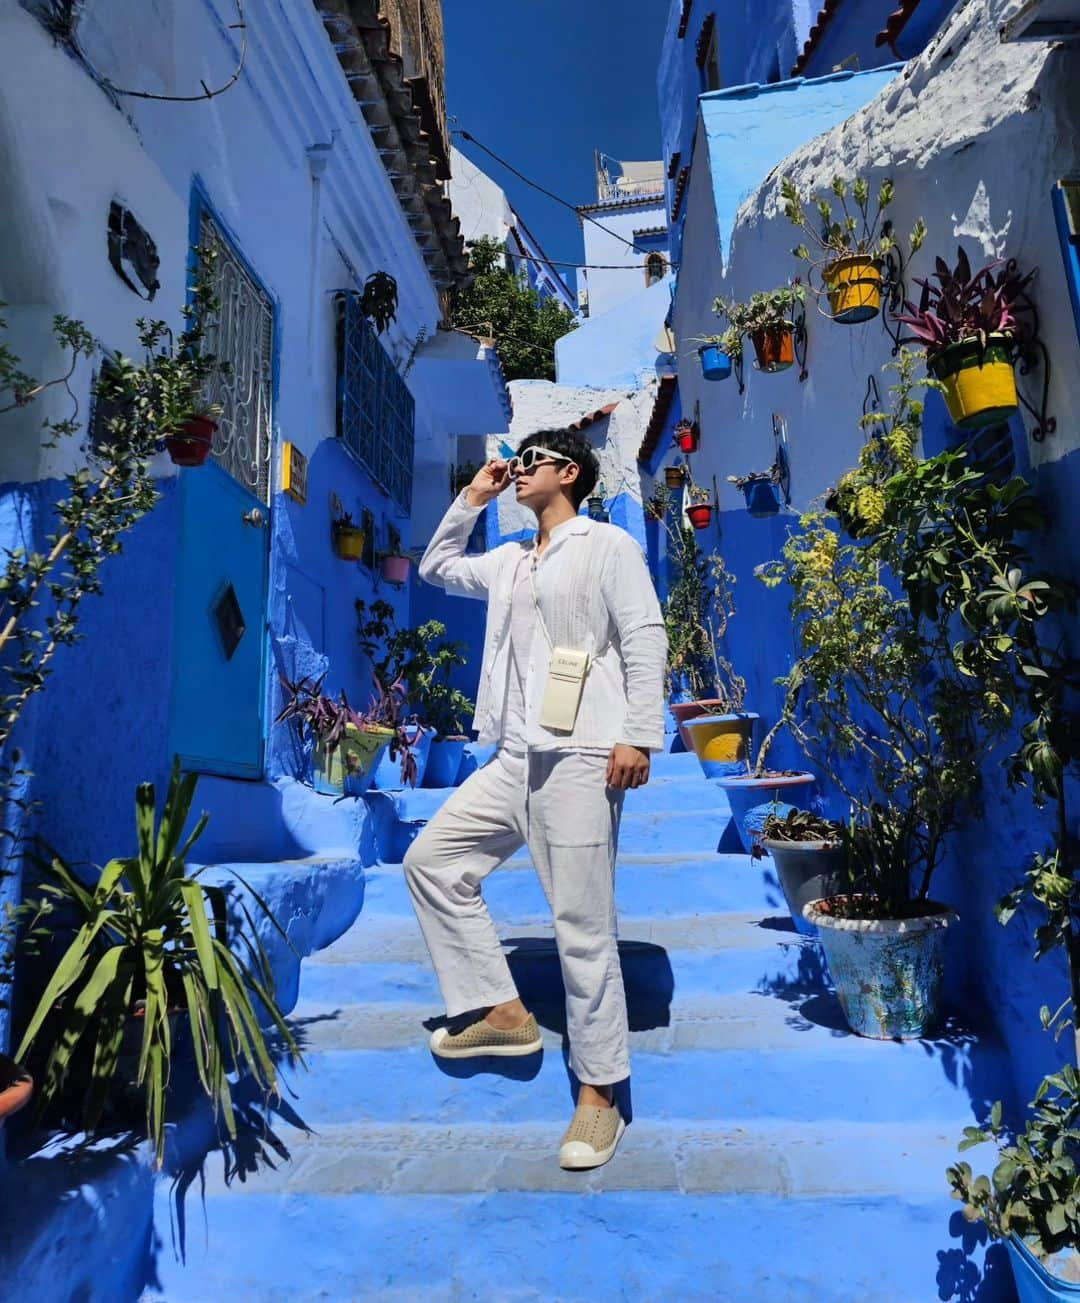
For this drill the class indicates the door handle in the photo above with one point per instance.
(254, 517)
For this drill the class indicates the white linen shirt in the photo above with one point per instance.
(595, 595)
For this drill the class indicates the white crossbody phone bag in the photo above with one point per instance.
(565, 680)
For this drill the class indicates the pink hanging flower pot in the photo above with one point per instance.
(395, 568)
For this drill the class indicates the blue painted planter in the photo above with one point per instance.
(752, 800)
(715, 363)
(762, 498)
(444, 762)
(388, 773)
(1034, 1283)
(888, 973)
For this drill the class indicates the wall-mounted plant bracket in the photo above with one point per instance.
(739, 367)
(1029, 353)
(781, 464)
(800, 338)
(893, 294)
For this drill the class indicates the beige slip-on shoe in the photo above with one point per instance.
(481, 1038)
(591, 1137)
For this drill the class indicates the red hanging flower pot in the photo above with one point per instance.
(687, 437)
(192, 445)
(700, 514)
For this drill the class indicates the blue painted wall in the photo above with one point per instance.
(853, 29)
(615, 350)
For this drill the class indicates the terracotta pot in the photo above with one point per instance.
(775, 347)
(192, 446)
(17, 1094)
(395, 569)
(854, 288)
(700, 514)
(980, 387)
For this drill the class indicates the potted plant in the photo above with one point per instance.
(595, 503)
(148, 936)
(810, 859)
(346, 744)
(972, 327)
(851, 246)
(191, 443)
(761, 490)
(653, 508)
(700, 507)
(687, 435)
(346, 536)
(394, 563)
(425, 659)
(899, 717)
(16, 1088)
(697, 609)
(675, 476)
(406, 758)
(769, 319)
(379, 299)
(718, 354)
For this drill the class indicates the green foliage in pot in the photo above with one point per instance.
(801, 826)
(857, 227)
(768, 310)
(379, 299)
(699, 604)
(149, 934)
(729, 340)
(892, 707)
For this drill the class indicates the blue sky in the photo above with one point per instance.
(545, 82)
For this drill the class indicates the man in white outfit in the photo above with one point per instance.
(577, 597)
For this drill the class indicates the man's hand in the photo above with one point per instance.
(488, 482)
(627, 767)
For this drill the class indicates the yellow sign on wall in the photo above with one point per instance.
(294, 473)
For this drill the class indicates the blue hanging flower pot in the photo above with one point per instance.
(715, 363)
(762, 498)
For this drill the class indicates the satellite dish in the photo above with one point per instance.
(665, 340)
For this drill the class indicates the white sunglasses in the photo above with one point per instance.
(531, 457)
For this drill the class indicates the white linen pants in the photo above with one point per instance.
(558, 803)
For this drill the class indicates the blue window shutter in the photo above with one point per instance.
(375, 411)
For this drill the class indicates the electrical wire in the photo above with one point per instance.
(208, 94)
(467, 135)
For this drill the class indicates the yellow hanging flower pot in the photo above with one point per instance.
(979, 384)
(854, 288)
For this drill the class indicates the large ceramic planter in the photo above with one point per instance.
(720, 742)
(888, 973)
(444, 761)
(16, 1088)
(980, 387)
(807, 871)
(348, 770)
(388, 772)
(715, 363)
(1034, 1282)
(752, 800)
(853, 285)
(774, 347)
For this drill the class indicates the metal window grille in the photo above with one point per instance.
(375, 411)
(241, 334)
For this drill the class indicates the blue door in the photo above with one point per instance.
(217, 711)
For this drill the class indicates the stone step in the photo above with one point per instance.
(766, 1060)
(663, 886)
(680, 793)
(790, 1162)
(388, 961)
(646, 1246)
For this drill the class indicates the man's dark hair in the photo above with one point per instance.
(572, 445)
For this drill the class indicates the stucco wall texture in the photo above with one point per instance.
(974, 134)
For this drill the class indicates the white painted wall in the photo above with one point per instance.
(605, 248)
(480, 205)
(978, 166)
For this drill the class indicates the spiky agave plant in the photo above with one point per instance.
(152, 938)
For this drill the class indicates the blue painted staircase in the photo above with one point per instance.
(773, 1156)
